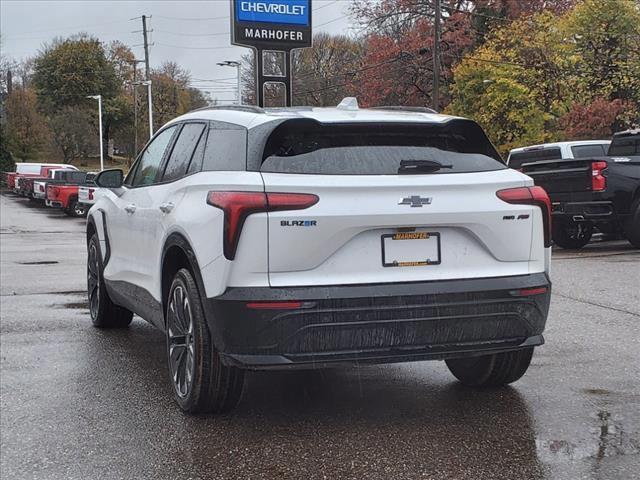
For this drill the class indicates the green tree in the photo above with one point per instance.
(70, 70)
(606, 38)
(72, 133)
(6, 160)
(26, 127)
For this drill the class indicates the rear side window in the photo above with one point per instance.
(517, 159)
(627, 145)
(306, 146)
(146, 170)
(586, 151)
(226, 149)
(182, 152)
(198, 155)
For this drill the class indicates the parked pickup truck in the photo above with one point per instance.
(597, 193)
(557, 151)
(87, 196)
(24, 183)
(29, 186)
(25, 170)
(61, 176)
(65, 195)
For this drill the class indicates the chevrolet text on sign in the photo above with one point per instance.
(272, 24)
(274, 11)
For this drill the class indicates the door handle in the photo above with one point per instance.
(131, 208)
(166, 207)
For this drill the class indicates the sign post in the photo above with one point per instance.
(278, 26)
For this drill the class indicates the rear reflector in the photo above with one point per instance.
(531, 196)
(274, 305)
(237, 206)
(526, 292)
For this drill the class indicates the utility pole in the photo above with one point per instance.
(9, 82)
(436, 57)
(147, 73)
(135, 109)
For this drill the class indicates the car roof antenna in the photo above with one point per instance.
(349, 103)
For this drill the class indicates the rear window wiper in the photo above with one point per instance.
(408, 167)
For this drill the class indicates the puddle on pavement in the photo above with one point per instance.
(76, 305)
(596, 391)
(608, 438)
(41, 262)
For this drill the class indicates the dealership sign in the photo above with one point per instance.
(271, 24)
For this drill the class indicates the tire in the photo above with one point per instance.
(201, 383)
(632, 227)
(74, 209)
(104, 313)
(572, 235)
(491, 370)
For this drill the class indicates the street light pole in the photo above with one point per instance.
(150, 102)
(238, 65)
(99, 98)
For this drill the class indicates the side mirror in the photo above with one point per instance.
(109, 178)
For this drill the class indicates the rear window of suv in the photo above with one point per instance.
(309, 147)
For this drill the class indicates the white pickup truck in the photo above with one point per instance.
(557, 151)
(87, 196)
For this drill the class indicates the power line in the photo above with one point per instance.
(193, 19)
(325, 5)
(330, 21)
(194, 48)
(193, 34)
(73, 28)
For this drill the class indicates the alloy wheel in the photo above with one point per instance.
(181, 342)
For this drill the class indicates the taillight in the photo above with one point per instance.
(91, 194)
(531, 196)
(598, 180)
(527, 292)
(237, 206)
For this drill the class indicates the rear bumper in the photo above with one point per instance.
(378, 323)
(596, 212)
(53, 203)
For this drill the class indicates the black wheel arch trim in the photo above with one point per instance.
(177, 239)
(91, 220)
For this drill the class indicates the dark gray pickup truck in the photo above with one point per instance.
(599, 193)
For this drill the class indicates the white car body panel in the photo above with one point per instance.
(355, 211)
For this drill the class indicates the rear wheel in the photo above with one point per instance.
(75, 209)
(572, 235)
(491, 370)
(632, 226)
(201, 383)
(104, 313)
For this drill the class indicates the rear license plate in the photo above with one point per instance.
(410, 249)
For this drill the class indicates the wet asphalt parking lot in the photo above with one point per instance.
(80, 403)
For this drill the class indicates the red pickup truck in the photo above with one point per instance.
(26, 170)
(65, 195)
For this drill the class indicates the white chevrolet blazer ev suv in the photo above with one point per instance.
(312, 237)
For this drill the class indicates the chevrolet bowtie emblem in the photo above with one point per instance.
(415, 201)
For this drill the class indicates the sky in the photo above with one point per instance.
(195, 34)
